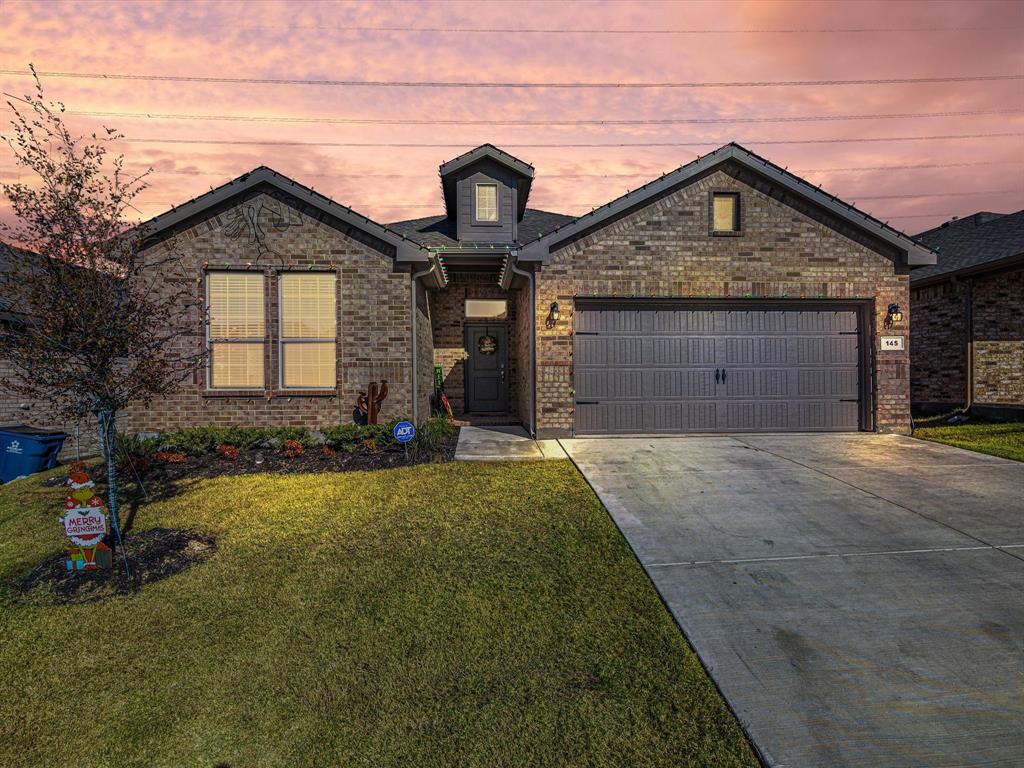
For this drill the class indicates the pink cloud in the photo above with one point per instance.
(278, 40)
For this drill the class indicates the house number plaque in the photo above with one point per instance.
(892, 343)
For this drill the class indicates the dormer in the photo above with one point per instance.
(485, 192)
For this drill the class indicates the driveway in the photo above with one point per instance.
(858, 598)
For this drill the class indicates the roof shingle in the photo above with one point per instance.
(971, 242)
(439, 231)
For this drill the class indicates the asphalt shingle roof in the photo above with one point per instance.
(439, 231)
(971, 242)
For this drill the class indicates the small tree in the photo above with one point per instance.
(100, 323)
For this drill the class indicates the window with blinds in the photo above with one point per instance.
(486, 202)
(308, 331)
(236, 330)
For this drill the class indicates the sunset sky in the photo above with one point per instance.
(541, 43)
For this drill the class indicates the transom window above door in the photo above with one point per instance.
(486, 202)
(486, 309)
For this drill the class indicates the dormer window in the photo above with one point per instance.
(486, 202)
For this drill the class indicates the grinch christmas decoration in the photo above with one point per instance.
(85, 524)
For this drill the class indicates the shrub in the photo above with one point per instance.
(229, 452)
(370, 445)
(326, 452)
(431, 435)
(292, 449)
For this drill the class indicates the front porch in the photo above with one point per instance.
(481, 341)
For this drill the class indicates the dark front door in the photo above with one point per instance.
(486, 368)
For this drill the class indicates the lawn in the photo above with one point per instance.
(438, 615)
(998, 439)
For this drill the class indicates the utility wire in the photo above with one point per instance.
(482, 84)
(519, 145)
(438, 121)
(557, 31)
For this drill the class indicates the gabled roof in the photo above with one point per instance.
(440, 231)
(405, 249)
(981, 241)
(485, 152)
(915, 253)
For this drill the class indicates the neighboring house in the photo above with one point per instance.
(727, 295)
(17, 410)
(967, 345)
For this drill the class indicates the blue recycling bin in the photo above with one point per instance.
(26, 450)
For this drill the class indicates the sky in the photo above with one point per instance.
(168, 125)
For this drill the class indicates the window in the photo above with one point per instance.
(309, 348)
(486, 202)
(726, 211)
(486, 308)
(236, 330)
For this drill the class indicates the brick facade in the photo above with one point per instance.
(938, 344)
(374, 319)
(665, 249)
(995, 305)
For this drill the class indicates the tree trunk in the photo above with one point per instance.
(108, 439)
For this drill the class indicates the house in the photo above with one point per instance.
(17, 409)
(727, 295)
(967, 345)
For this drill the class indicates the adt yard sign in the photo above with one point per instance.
(404, 431)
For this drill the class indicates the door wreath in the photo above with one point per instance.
(487, 345)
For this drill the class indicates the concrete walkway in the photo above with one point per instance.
(859, 598)
(504, 444)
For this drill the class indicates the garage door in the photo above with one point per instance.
(648, 368)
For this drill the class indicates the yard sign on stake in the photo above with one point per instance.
(404, 432)
(85, 524)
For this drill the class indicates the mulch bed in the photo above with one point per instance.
(312, 460)
(153, 554)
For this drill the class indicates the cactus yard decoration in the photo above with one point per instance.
(85, 524)
(368, 404)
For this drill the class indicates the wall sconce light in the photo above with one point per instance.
(893, 315)
(553, 315)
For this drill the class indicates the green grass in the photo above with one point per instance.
(438, 615)
(998, 439)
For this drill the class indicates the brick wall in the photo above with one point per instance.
(937, 345)
(520, 341)
(448, 306)
(999, 339)
(373, 320)
(424, 353)
(665, 249)
(938, 342)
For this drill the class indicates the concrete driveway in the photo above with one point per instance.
(858, 598)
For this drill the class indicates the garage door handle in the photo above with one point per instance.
(723, 375)
(716, 375)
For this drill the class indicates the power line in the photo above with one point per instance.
(557, 31)
(639, 121)
(911, 167)
(576, 145)
(470, 84)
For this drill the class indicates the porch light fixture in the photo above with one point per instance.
(893, 315)
(553, 315)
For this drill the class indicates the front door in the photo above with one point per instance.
(486, 368)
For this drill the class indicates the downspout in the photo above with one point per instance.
(412, 307)
(533, 345)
